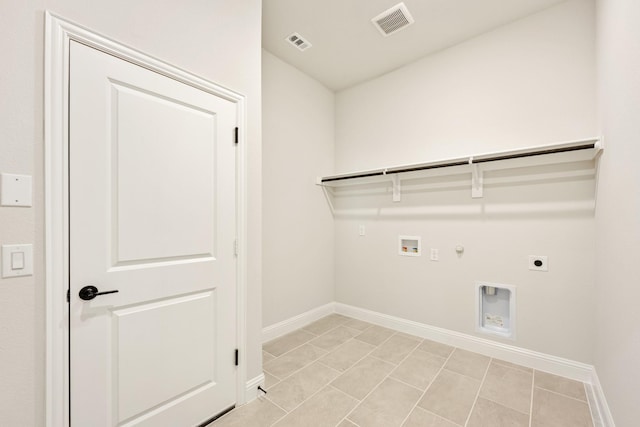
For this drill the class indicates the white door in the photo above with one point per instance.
(153, 216)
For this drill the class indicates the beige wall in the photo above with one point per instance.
(298, 141)
(218, 40)
(617, 334)
(529, 83)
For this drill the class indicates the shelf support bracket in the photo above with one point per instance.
(397, 193)
(476, 180)
(328, 197)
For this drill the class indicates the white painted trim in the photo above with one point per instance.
(601, 405)
(242, 245)
(251, 388)
(296, 322)
(56, 224)
(521, 356)
(58, 34)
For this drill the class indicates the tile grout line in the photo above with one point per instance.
(321, 388)
(377, 345)
(381, 381)
(504, 406)
(289, 351)
(309, 364)
(339, 345)
(294, 372)
(395, 365)
(299, 370)
(407, 384)
(484, 377)
(301, 403)
(314, 360)
(318, 361)
(586, 402)
(278, 406)
(272, 385)
(429, 386)
(328, 330)
(304, 330)
(533, 389)
(356, 362)
(400, 363)
(363, 399)
(270, 354)
(348, 413)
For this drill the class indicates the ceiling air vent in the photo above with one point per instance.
(393, 20)
(297, 40)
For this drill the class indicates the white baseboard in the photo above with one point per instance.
(296, 322)
(601, 406)
(532, 359)
(510, 353)
(251, 390)
(521, 356)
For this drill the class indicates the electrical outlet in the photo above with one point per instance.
(538, 263)
(435, 254)
(361, 230)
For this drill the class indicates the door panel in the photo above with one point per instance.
(180, 178)
(149, 358)
(152, 215)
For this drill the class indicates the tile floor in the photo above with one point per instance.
(344, 372)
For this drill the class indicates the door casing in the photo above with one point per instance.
(58, 34)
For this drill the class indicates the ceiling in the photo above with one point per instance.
(346, 47)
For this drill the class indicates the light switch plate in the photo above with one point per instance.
(15, 190)
(7, 258)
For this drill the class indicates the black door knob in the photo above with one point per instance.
(90, 292)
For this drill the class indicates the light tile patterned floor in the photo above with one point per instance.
(348, 373)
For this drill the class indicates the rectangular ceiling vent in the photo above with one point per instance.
(296, 40)
(393, 20)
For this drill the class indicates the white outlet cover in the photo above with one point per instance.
(542, 260)
(15, 190)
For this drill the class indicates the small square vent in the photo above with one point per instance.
(393, 20)
(298, 41)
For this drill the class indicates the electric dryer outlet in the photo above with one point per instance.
(538, 263)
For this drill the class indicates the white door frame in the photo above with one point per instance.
(58, 35)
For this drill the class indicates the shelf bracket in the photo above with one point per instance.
(328, 197)
(476, 179)
(397, 193)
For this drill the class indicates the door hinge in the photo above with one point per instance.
(236, 135)
(68, 295)
(237, 356)
(235, 247)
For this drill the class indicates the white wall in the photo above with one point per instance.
(217, 40)
(617, 343)
(298, 145)
(529, 83)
